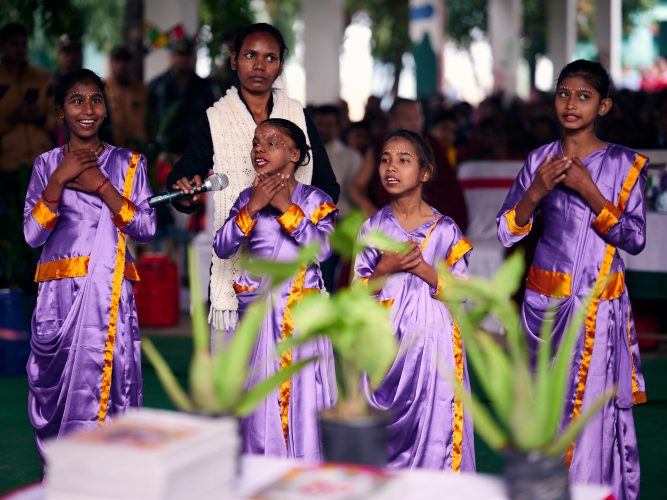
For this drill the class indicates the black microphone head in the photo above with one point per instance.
(216, 182)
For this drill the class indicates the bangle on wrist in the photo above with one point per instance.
(57, 200)
(97, 191)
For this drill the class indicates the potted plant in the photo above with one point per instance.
(525, 396)
(217, 382)
(364, 348)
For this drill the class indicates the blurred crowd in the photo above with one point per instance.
(157, 119)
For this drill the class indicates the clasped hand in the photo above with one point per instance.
(393, 262)
(79, 170)
(269, 190)
(569, 171)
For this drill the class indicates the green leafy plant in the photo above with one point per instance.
(525, 402)
(361, 334)
(218, 382)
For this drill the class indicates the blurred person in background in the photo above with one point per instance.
(27, 113)
(444, 128)
(178, 98)
(345, 162)
(128, 102)
(70, 56)
(358, 136)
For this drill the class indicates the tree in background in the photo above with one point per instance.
(390, 38)
(218, 19)
(99, 22)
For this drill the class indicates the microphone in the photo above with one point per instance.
(215, 182)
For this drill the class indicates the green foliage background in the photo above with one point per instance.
(101, 23)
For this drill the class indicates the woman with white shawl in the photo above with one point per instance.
(223, 141)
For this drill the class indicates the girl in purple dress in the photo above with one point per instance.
(591, 198)
(273, 218)
(429, 427)
(84, 200)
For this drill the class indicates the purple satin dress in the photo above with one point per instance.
(429, 426)
(85, 361)
(285, 423)
(576, 249)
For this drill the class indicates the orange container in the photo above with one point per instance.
(156, 294)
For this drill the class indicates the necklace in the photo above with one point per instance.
(98, 150)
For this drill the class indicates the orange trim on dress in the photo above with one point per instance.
(630, 181)
(244, 221)
(614, 287)
(428, 235)
(286, 358)
(457, 428)
(75, 267)
(638, 397)
(322, 211)
(549, 283)
(242, 288)
(387, 303)
(462, 247)
(591, 314)
(515, 229)
(589, 341)
(290, 220)
(43, 215)
(124, 217)
(559, 285)
(116, 284)
(607, 218)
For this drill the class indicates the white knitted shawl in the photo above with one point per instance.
(232, 130)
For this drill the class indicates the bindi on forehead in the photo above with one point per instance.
(578, 89)
(398, 152)
(78, 93)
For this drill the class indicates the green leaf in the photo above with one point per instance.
(526, 432)
(485, 424)
(201, 332)
(380, 241)
(361, 334)
(499, 373)
(231, 365)
(202, 386)
(547, 409)
(171, 386)
(344, 238)
(574, 428)
(314, 315)
(474, 353)
(255, 395)
(560, 370)
(278, 272)
(507, 279)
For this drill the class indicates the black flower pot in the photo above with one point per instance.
(535, 475)
(362, 440)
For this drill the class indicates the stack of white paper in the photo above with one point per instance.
(146, 454)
